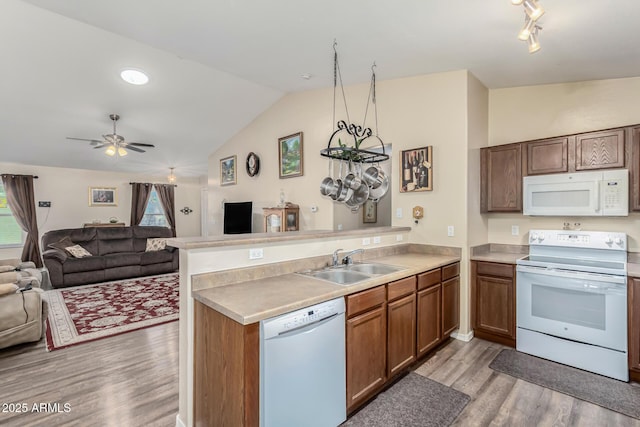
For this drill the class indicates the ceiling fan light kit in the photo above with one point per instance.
(116, 144)
(529, 32)
(171, 178)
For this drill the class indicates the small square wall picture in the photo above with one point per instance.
(228, 170)
(290, 155)
(102, 196)
(416, 170)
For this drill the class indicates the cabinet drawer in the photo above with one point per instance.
(401, 288)
(451, 270)
(494, 269)
(365, 300)
(429, 278)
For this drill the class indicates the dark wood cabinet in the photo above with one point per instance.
(633, 301)
(429, 318)
(634, 169)
(501, 178)
(493, 302)
(548, 156)
(600, 150)
(401, 324)
(366, 342)
(450, 306)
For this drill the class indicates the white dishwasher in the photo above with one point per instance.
(302, 367)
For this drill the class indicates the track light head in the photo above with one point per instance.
(526, 30)
(533, 9)
(534, 43)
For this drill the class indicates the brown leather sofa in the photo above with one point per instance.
(116, 253)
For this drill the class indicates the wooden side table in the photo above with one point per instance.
(281, 219)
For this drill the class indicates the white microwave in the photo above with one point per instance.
(602, 193)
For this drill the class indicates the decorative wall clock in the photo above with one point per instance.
(253, 164)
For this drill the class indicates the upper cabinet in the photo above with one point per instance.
(501, 178)
(503, 166)
(548, 156)
(600, 150)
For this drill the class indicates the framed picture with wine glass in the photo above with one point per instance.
(416, 169)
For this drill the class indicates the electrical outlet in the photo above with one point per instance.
(44, 204)
(450, 230)
(399, 213)
(515, 230)
(366, 241)
(256, 253)
(376, 240)
(399, 237)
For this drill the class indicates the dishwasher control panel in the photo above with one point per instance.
(304, 316)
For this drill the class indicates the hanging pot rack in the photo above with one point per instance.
(336, 149)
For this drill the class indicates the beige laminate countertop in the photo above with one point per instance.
(256, 300)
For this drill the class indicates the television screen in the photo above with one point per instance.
(238, 217)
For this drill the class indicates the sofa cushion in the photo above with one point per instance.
(155, 244)
(61, 244)
(155, 257)
(121, 259)
(85, 237)
(115, 239)
(8, 288)
(141, 233)
(77, 251)
(74, 265)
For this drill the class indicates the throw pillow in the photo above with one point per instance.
(156, 244)
(8, 288)
(77, 251)
(62, 244)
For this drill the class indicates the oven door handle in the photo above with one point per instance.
(577, 275)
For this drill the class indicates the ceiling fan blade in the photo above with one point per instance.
(99, 146)
(129, 147)
(93, 141)
(140, 144)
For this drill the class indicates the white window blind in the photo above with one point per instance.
(153, 213)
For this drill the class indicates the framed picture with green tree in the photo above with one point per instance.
(290, 155)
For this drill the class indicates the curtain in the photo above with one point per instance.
(21, 201)
(167, 198)
(140, 192)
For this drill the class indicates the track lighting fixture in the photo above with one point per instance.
(529, 32)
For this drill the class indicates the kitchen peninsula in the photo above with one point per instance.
(218, 279)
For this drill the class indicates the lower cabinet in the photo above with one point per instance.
(401, 325)
(366, 336)
(493, 301)
(633, 290)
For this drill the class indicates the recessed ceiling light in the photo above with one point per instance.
(306, 76)
(135, 77)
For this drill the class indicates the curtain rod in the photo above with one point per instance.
(13, 174)
(131, 183)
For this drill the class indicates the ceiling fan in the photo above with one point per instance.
(116, 145)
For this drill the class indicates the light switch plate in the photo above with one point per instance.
(515, 230)
(376, 240)
(366, 241)
(399, 238)
(399, 213)
(450, 230)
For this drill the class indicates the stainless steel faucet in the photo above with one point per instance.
(346, 259)
(334, 257)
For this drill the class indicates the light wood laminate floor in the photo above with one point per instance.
(132, 380)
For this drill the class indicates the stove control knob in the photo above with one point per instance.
(541, 237)
(608, 240)
(618, 241)
(534, 237)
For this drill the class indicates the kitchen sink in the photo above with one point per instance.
(343, 277)
(352, 273)
(371, 268)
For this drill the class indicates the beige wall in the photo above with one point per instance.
(412, 112)
(525, 113)
(68, 192)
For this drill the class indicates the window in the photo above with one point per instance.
(153, 213)
(10, 232)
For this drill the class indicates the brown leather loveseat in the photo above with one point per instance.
(116, 253)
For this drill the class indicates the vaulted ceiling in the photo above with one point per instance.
(214, 65)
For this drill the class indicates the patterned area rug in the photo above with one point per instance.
(91, 312)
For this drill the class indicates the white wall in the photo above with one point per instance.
(68, 192)
(532, 112)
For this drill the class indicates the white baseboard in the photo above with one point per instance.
(462, 337)
(179, 422)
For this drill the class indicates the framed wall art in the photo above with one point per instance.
(228, 170)
(102, 196)
(290, 155)
(416, 170)
(370, 212)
